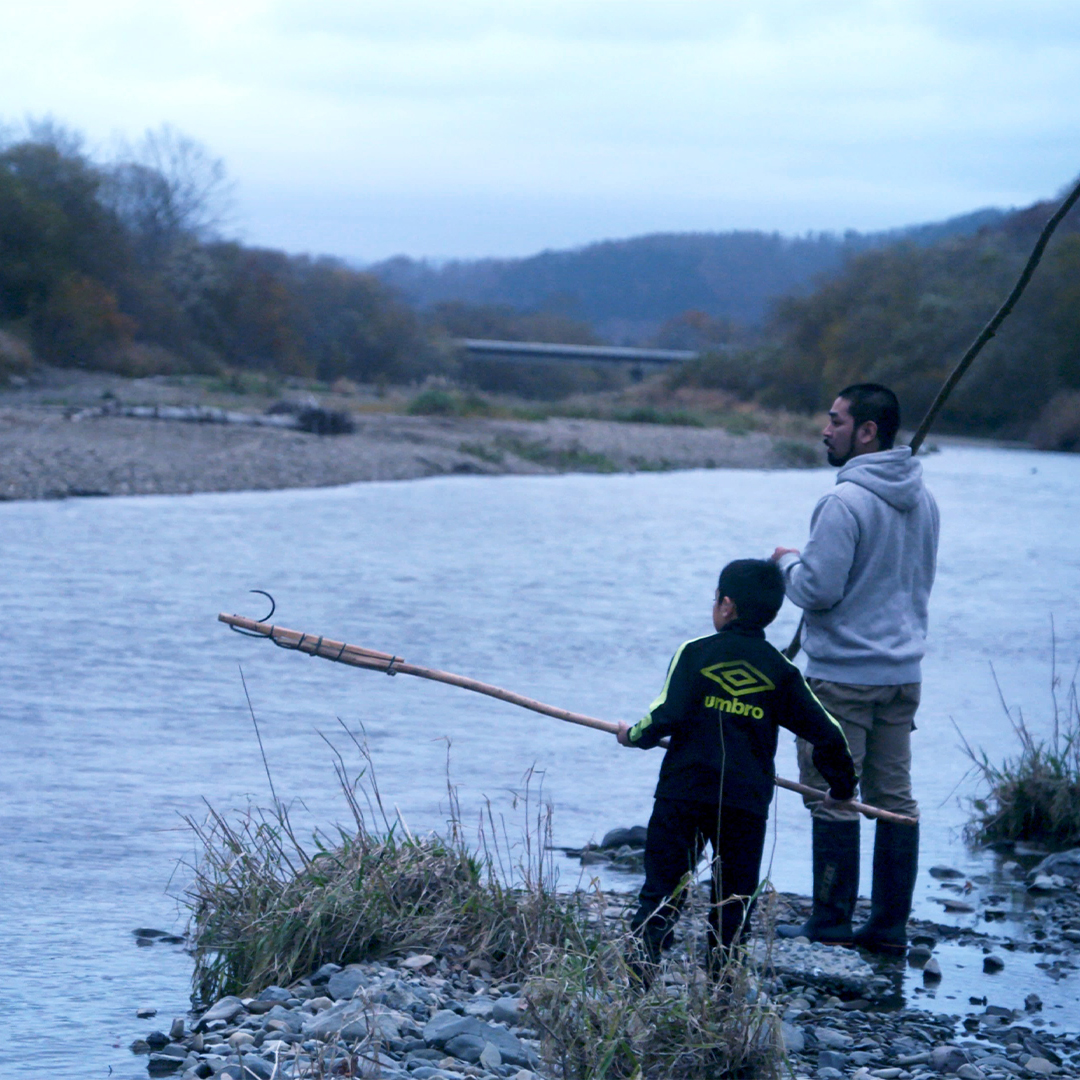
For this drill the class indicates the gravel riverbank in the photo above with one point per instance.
(67, 436)
(51, 454)
(837, 1014)
(442, 1018)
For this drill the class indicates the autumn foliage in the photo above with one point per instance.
(120, 266)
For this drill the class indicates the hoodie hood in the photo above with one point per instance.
(893, 475)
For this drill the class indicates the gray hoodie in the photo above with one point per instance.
(865, 574)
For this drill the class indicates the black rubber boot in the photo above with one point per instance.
(836, 884)
(896, 864)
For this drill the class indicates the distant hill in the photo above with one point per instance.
(627, 288)
(903, 314)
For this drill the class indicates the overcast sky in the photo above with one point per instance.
(367, 128)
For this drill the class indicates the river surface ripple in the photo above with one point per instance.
(122, 708)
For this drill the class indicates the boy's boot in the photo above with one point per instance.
(836, 883)
(896, 863)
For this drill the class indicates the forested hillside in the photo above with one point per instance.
(628, 288)
(118, 266)
(904, 314)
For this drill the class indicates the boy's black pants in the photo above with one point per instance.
(678, 832)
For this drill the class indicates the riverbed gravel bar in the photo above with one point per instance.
(53, 454)
(72, 433)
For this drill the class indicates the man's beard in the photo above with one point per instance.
(836, 461)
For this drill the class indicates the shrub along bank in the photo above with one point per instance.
(1034, 794)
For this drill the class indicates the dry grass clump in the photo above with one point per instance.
(1035, 794)
(595, 1021)
(267, 908)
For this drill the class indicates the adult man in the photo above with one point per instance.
(863, 581)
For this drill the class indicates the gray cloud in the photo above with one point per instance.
(510, 126)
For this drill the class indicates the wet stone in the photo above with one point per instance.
(163, 1064)
(1040, 1066)
(631, 837)
(834, 1040)
(321, 976)
(947, 1058)
(227, 1009)
(343, 984)
(793, 1039)
(468, 1046)
(507, 1010)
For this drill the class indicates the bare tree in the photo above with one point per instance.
(169, 188)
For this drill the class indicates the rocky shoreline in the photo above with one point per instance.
(838, 1014)
(442, 1018)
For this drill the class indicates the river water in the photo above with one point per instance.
(122, 708)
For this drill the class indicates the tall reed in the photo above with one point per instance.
(268, 907)
(1034, 794)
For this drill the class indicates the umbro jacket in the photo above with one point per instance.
(724, 700)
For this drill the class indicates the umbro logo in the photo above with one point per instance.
(738, 678)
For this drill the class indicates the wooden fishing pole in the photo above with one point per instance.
(389, 664)
(976, 347)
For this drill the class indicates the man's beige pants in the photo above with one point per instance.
(877, 721)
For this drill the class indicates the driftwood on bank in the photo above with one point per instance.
(313, 419)
(389, 664)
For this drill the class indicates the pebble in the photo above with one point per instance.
(945, 873)
(1041, 1066)
(1047, 883)
(793, 1039)
(833, 1039)
(959, 907)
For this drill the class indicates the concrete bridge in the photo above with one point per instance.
(588, 354)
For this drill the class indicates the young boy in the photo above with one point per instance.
(723, 701)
